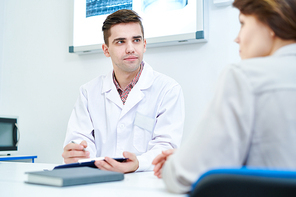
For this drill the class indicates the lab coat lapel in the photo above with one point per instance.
(110, 91)
(136, 95)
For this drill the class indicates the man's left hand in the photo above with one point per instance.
(109, 164)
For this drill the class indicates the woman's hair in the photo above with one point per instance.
(120, 16)
(279, 15)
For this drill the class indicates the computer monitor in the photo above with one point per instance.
(9, 136)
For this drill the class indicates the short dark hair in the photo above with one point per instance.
(279, 15)
(120, 16)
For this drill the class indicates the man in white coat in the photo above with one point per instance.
(134, 111)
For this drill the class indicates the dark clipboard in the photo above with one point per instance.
(85, 164)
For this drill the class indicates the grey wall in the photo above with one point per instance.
(39, 79)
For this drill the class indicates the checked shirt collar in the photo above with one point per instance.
(124, 93)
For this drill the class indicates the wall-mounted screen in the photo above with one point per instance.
(166, 22)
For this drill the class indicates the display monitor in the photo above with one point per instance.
(8, 135)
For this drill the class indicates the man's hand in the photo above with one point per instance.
(160, 160)
(109, 164)
(73, 152)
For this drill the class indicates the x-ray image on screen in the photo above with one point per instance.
(150, 6)
(102, 7)
(166, 22)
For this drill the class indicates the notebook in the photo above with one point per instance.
(72, 176)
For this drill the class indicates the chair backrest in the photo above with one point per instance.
(245, 183)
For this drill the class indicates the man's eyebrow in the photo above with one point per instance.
(118, 39)
(122, 39)
(137, 37)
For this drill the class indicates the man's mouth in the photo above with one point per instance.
(131, 58)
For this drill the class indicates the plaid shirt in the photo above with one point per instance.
(124, 93)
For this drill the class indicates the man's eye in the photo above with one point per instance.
(119, 42)
(137, 40)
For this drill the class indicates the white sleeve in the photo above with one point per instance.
(80, 125)
(168, 130)
(222, 138)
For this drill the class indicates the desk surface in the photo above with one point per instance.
(12, 177)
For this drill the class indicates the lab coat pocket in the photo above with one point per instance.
(143, 129)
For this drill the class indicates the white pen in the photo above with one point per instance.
(77, 143)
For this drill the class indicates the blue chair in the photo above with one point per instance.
(245, 182)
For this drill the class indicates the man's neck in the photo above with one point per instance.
(124, 78)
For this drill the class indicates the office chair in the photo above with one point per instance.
(245, 182)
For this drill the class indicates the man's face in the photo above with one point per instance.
(126, 47)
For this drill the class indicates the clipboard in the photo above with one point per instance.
(87, 163)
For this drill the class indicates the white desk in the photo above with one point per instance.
(141, 184)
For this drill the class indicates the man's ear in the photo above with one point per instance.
(105, 50)
(145, 43)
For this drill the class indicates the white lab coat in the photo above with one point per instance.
(150, 121)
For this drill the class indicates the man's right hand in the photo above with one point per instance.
(73, 152)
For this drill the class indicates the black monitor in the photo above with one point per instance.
(8, 134)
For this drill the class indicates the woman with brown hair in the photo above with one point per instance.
(252, 119)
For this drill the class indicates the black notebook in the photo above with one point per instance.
(73, 176)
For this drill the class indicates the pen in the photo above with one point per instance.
(77, 143)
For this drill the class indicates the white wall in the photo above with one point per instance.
(39, 79)
(2, 9)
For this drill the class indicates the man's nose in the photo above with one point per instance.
(130, 47)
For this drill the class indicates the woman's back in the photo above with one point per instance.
(273, 80)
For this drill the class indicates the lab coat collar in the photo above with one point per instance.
(136, 95)
(108, 84)
(146, 78)
(110, 90)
